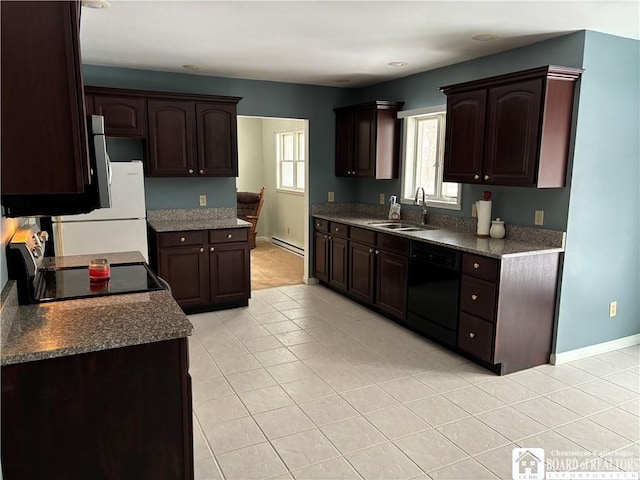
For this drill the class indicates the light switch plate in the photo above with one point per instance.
(203, 200)
(539, 218)
(330, 197)
(382, 199)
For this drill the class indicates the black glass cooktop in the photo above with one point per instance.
(73, 282)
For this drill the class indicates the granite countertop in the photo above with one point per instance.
(177, 225)
(456, 239)
(70, 327)
(81, 260)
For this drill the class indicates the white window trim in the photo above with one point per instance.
(407, 198)
(291, 191)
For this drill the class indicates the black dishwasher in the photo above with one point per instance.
(434, 288)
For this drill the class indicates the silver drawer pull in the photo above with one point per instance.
(201, 250)
(337, 229)
(486, 177)
(476, 265)
(190, 170)
(229, 235)
(212, 249)
(474, 297)
(472, 335)
(371, 250)
(182, 239)
(476, 177)
(377, 252)
(201, 172)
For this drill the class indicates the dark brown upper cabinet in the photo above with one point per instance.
(188, 138)
(44, 139)
(512, 129)
(368, 140)
(124, 116)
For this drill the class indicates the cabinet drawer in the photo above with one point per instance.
(363, 236)
(475, 336)
(478, 297)
(392, 243)
(228, 235)
(339, 229)
(481, 267)
(321, 225)
(181, 239)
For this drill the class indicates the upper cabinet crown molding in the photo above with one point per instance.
(511, 129)
(368, 140)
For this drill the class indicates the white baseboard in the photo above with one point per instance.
(266, 239)
(291, 247)
(577, 354)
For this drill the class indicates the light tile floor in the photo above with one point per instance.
(306, 384)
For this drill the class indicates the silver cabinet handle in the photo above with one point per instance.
(191, 170)
(371, 250)
(182, 239)
(476, 177)
(486, 177)
(476, 265)
(474, 297)
(212, 249)
(201, 172)
(201, 250)
(326, 237)
(472, 335)
(377, 252)
(354, 172)
(229, 235)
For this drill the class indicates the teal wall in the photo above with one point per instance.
(512, 204)
(602, 258)
(265, 99)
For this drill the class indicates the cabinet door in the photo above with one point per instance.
(171, 138)
(362, 263)
(338, 262)
(217, 140)
(123, 117)
(392, 275)
(364, 152)
(344, 144)
(187, 271)
(321, 256)
(229, 272)
(513, 133)
(464, 136)
(43, 112)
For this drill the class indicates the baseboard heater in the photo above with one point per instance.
(279, 242)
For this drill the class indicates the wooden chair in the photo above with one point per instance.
(249, 205)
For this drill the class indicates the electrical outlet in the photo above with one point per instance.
(203, 200)
(381, 199)
(613, 309)
(474, 210)
(330, 197)
(539, 218)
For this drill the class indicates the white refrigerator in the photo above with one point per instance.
(121, 228)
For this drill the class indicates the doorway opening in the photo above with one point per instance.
(273, 153)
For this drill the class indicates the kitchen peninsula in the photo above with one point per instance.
(96, 387)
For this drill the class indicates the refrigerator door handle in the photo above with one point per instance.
(58, 239)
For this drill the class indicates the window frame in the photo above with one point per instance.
(411, 119)
(298, 158)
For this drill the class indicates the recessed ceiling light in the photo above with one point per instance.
(485, 37)
(191, 67)
(397, 64)
(96, 4)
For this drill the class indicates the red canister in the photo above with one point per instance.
(99, 270)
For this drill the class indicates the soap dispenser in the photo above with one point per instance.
(497, 228)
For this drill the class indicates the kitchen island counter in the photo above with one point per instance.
(70, 327)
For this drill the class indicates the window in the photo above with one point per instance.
(423, 159)
(290, 152)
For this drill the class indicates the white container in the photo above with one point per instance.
(497, 229)
(484, 217)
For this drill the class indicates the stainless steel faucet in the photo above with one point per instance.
(424, 204)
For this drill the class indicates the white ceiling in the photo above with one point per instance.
(333, 43)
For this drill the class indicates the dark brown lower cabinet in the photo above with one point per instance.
(362, 265)
(392, 276)
(186, 270)
(338, 268)
(206, 269)
(112, 414)
(321, 256)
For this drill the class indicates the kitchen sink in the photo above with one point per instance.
(404, 227)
